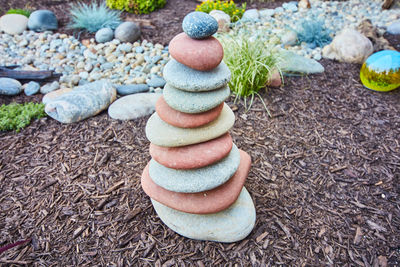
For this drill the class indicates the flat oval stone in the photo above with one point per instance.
(194, 102)
(162, 134)
(13, 23)
(200, 55)
(195, 180)
(193, 156)
(212, 201)
(230, 225)
(134, 106)
(185, 120)
(199, 25)
(188, 79)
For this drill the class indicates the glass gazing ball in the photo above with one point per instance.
(381, 71)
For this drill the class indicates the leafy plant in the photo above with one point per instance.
(24, 12)
(93, 17)
(229, 7)
(17, 116)
(314, 33)
(250, 61)
(136, 6)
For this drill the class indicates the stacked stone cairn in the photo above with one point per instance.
(196, 175)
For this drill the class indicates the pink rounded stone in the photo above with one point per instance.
(193, 156)
(185, 120)
(203, 55)
(206, 202)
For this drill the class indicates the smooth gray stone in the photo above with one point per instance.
(130, 89)
(194, 102)
(127, 32)
(133, 106)
(293, 63)
(230, 225)
(104, 35)
(156, 81)
(83, 102)
(32, 88)
(196, 180)
(164, 134)
(10, 86)
(49, 87)
(394, 28)
(42, 20)
(187, 79)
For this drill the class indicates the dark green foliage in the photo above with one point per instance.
(136, 6)
(24, 12)
(314, 33)
(17, 116)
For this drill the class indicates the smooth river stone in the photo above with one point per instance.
(193, 156)
(199, 25)
(230, 225)
(200, 55)
(188, 79)
(195, 180)
(163, 134)
(212, 201)
(185, 120)
(194, 102)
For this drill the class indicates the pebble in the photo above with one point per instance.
(211, 201)
(163, 134)
(10, 86)
(195, 102)
(32, 88)
(394, 28)
(185, 78)
(104, 35)
(195, 180)
(49, 87)
(199, 25)
(133, 106)
(129, 89)
(230, 225)
(293, 63)
(42, 20)
(156, 81)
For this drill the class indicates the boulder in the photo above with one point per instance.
(133, 106)
(293, 63)
(10, 86)
(47, 98)
(127, 32)
(42, 20)
(104, 35)
(13, 23)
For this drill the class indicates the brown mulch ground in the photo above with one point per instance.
(325, 181)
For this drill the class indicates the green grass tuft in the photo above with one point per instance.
(24, 12)
(93, 17)
(17, 116)
(250, 61)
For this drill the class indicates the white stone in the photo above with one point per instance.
(13, 23)
(223, 19)
(133, 106)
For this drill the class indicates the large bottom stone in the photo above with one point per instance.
(185, 120)
(206, 202)
(193, 156)
(163, 134)
(195, 180)
(230, 225)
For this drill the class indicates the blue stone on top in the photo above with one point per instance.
(187, 79)
(194, 102)
(199, 25)
(196, 180)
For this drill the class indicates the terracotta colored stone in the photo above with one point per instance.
(275, 80)
(192, 156)
(185, 120)
(203, 55)
(206, 202)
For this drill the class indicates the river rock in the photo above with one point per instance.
(42, 20)
(130, 89)
(349, 46)
(203, 55)
(192, 156)
(185, 120)
(32, 88)
(49, 87)
(47, 98)
(195, 180)
(13, 23)
(133, 106)
(223, 19)
(251, 14)
(10, 86)
(83, 102)
(230, 225)
(188, 79)
(199, 25)
(104, 35)
(163, 134)
(156, 81)
(394, 28)
(293, 63)
(194, 102)
(211, 201)
(127, 32)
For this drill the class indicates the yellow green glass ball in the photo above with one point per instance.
(381, 71)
